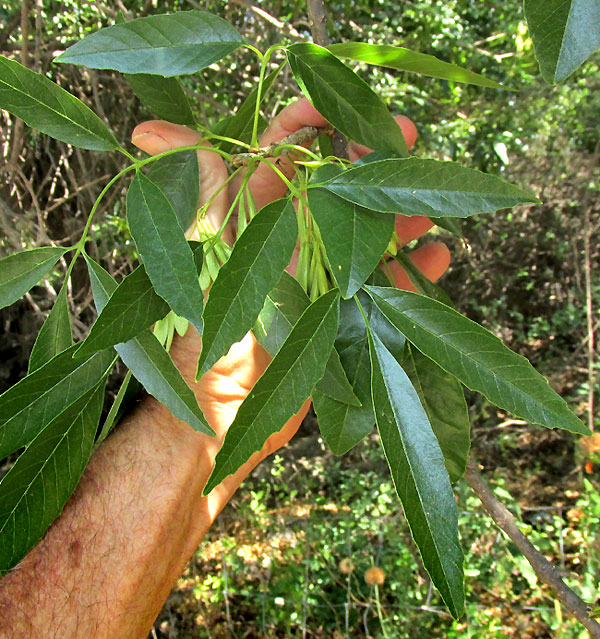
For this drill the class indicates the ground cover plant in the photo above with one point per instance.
(338, 331)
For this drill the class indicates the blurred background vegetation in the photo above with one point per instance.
(271, 568)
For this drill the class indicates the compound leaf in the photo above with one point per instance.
(149, 362)
(32, 403)
(35, 490)
(412, 186)
(45, 106)
(385, 55)
(55, 335)
(283, 388)
(476, 357)
(166, 45)
(417, 467)
(564, 33)
(20, 271)
(344, 99)
(256, 263)
(133, 307)
(163, 247)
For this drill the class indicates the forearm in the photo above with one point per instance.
(107, 564)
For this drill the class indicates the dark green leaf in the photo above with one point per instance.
(178, 177)
(284, 387)
(355, 238)
(20, 271)
(417, 467)
(564, 32)
(163, 247)
(35, 490)
(163, 97)
(421, 282)
(133, 307)
(283, 307)
(239, 127)
(443, 399)
(55, 335)
(149, 362)
(166, 45)
(45, 106)
(342, 425)
(385, 55)
(424, 187)
(33, 402)
(344, 99)
(236, 298)
(450, 224)
(476, 357)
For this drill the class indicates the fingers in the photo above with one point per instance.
(432, 260)
(157, 136)
(409, 131)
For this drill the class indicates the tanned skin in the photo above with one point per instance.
(106, 566)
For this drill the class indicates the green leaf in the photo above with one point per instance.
(20, 271)
(239, 127)
(385, 55)
(424, 187)
(355, 238)
(33, 402)
(564, 32)
(450, 224)
(133, 307)
(257, 261)
(45, 106)
(443, 399)
(163, 247)
(178, 177)
(151, 365)
(283, 388)
(417, 467)
(476, 357)
(55, 335)
(283, 307)
(35, 490)
(163, 97)
(167, 45)
(344, 99)
(343, 425)
(422, 283)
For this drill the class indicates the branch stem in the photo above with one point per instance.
(544, 570)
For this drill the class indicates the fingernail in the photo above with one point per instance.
(151, 143)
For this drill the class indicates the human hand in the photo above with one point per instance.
(221, 390)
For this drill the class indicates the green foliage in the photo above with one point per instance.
(360, 366)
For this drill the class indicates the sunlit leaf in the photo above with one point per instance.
(476, 357)
(385, 55)
(45, 106)
(236, 298)
(163, 247)
(417, 467)
(424, 187)
(35, 490)
(149, 362)
(174, 44)
(55, 335)
(344, 99)
(283, 388)
(564, 32)
(20, 271)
